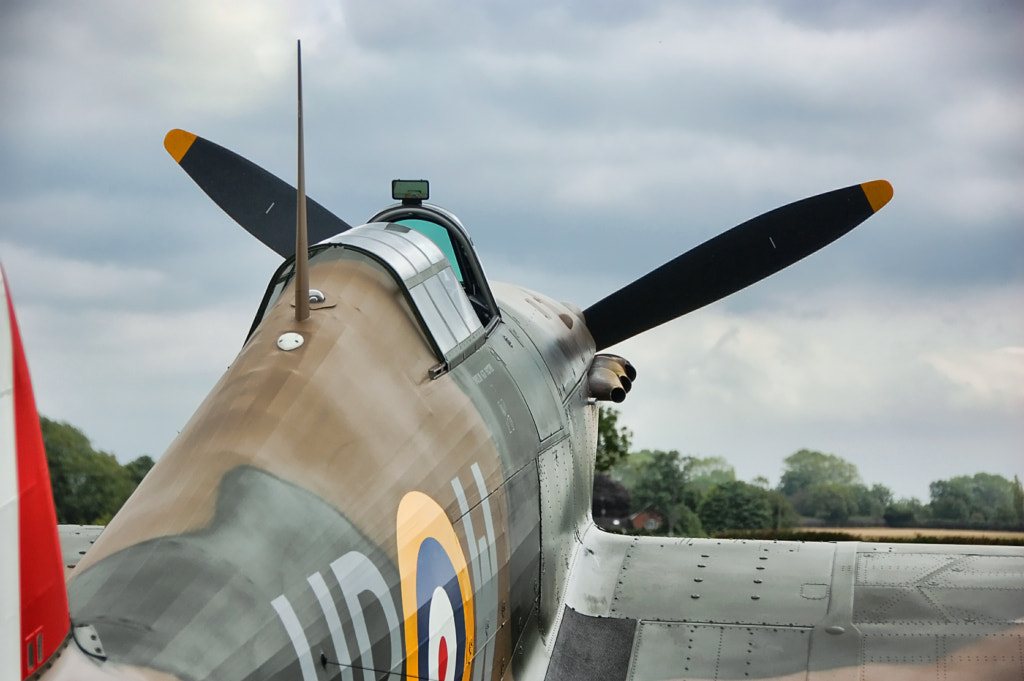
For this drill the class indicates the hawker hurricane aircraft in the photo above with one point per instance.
(393, 481)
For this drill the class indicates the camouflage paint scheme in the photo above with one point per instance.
(324, 501)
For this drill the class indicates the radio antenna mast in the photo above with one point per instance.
(301, 238)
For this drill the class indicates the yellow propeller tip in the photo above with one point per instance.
(177, 143)
(878, 192)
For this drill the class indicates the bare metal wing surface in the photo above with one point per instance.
(75, 542)
(661, 608)
(395, 483)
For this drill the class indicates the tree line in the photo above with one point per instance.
(89, 485)
(690, 495)
(697, 496)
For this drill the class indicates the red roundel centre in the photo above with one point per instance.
(442, 658)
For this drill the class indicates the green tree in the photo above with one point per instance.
(613, 441)
(833, 502)
(627, 470)
(138, 468)
(735, 505)
(688, 523)
(806, 469)
(870, 503)
(823, 486)
(1018, 501)
(905, 512)
(783, 514)
(982, 499)
(951, 499)
(89, 486)
(660, 487)
(711, 471)
(881, 495)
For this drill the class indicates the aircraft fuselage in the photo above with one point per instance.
(309, 513)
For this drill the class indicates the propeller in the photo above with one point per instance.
(262, 203)
(732, 261)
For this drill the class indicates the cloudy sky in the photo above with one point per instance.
(582, 144)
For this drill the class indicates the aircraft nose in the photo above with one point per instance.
(193, 603)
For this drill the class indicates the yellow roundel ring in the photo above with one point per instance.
(437, 597)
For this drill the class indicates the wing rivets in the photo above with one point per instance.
(290, 341)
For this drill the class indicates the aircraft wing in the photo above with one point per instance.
(667, 608)
(75, 540)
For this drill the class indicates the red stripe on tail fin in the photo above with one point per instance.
(45, 621)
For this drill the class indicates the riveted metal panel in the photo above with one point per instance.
(939, 588)
(982, 604)
(992, 572)
(936, 612)
(949, 612)
(558, 525)
(527, 369)
(885, 649)
(965, 657)
(938, 653)
(674, 650)
(724, 581)
(524, 538)
(75, 541)
(894, 604)
(881, 569)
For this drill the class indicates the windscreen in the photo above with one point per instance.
(439, 235)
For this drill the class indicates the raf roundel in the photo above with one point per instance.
(437, 598)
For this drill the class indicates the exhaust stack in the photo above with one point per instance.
(610, 377)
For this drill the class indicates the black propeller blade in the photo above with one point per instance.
(733, 260)
(261, 202)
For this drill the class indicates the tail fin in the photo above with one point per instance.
(31, 577)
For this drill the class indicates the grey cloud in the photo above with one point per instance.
(582, 143)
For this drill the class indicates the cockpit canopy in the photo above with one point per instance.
(445, 230)
(430, 255)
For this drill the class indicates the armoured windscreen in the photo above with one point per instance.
(439, 235)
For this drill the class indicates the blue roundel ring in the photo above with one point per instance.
(434, 570)
(437, 595)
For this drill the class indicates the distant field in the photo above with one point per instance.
(882, 534)
(874, 533)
